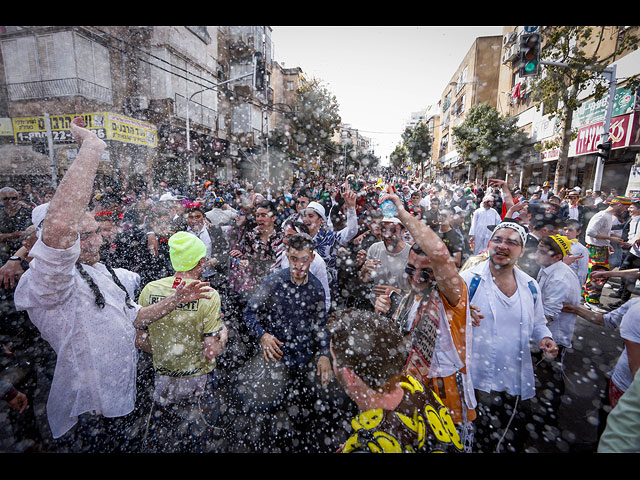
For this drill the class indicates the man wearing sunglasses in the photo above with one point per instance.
(386, 260)
(15, 217)
(434, 317)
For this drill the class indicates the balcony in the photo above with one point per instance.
(64, 87)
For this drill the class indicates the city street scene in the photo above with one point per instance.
(319, 240)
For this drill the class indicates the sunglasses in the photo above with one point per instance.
(9, 198)
(391, 230)
(425, 274)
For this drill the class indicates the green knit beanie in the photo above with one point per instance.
(185, 251)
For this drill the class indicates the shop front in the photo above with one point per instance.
(131, 143)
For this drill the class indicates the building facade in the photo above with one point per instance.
(473, 83)
(541, 163)
(174, 103)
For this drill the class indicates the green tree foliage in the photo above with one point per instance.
(399, 156)
(416, 145)
(488, 140)
(559, 88)
(315, 122)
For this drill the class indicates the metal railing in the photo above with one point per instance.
(63, 87)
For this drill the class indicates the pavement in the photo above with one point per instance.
(593, 355)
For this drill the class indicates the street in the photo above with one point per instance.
(594, 354)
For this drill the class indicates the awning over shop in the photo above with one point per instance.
(23, 160)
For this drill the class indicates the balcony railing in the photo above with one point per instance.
(63, 87)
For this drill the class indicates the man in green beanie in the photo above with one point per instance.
(184, 344)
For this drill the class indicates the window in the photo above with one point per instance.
(56, 65)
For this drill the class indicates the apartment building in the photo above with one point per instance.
(473, 83)
(173, 103)
(622, 170)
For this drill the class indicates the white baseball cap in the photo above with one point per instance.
(319, 209)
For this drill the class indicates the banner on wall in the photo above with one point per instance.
(107, 126)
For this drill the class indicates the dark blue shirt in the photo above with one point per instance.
(294, 314)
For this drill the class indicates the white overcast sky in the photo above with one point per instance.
(379, 74)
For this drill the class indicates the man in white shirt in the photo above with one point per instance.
(578, 258)
(80, 308)
(386, 260)
(598, 237)
(483, 217)
(513, 315)
(559, 286)
(632, 258)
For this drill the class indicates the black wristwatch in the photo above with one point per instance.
(15, 257)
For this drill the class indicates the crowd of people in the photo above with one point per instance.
(337, 315)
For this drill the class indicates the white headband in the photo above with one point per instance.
(513, 226)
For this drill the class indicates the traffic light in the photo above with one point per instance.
(529, 54)
(259, 76)
(604, 150)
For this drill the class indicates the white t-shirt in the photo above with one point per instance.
(600, 224)
(506, 363)
(627, 318)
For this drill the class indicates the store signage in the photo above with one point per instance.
(620, 134)
(107, 126)
(6, 128)
(592, 111)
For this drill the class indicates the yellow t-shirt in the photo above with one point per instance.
(177, 339)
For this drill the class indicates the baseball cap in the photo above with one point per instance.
(319, 209)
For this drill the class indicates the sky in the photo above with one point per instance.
(379, 74)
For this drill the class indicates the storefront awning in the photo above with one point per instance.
(23, 160)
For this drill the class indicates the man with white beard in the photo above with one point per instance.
(484, 216)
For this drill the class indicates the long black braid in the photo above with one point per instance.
(96, 291)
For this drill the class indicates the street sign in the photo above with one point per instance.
(530, 29)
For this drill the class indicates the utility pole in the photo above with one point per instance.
(52, 159)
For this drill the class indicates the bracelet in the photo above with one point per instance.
(15, 257)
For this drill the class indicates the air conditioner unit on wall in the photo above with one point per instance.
(509, 38)
(511, 54)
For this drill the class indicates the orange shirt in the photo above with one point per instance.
(417, 365)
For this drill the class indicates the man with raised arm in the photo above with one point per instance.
(434, 317)
(84, 310)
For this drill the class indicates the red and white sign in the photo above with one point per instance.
(620, 134)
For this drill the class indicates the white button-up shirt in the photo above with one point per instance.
(96, 355)
(558, 284)
(501, 360)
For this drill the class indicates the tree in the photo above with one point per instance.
(558, 89)
(315, 122)
(488, 140)
(417, 143)
(399, 156)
